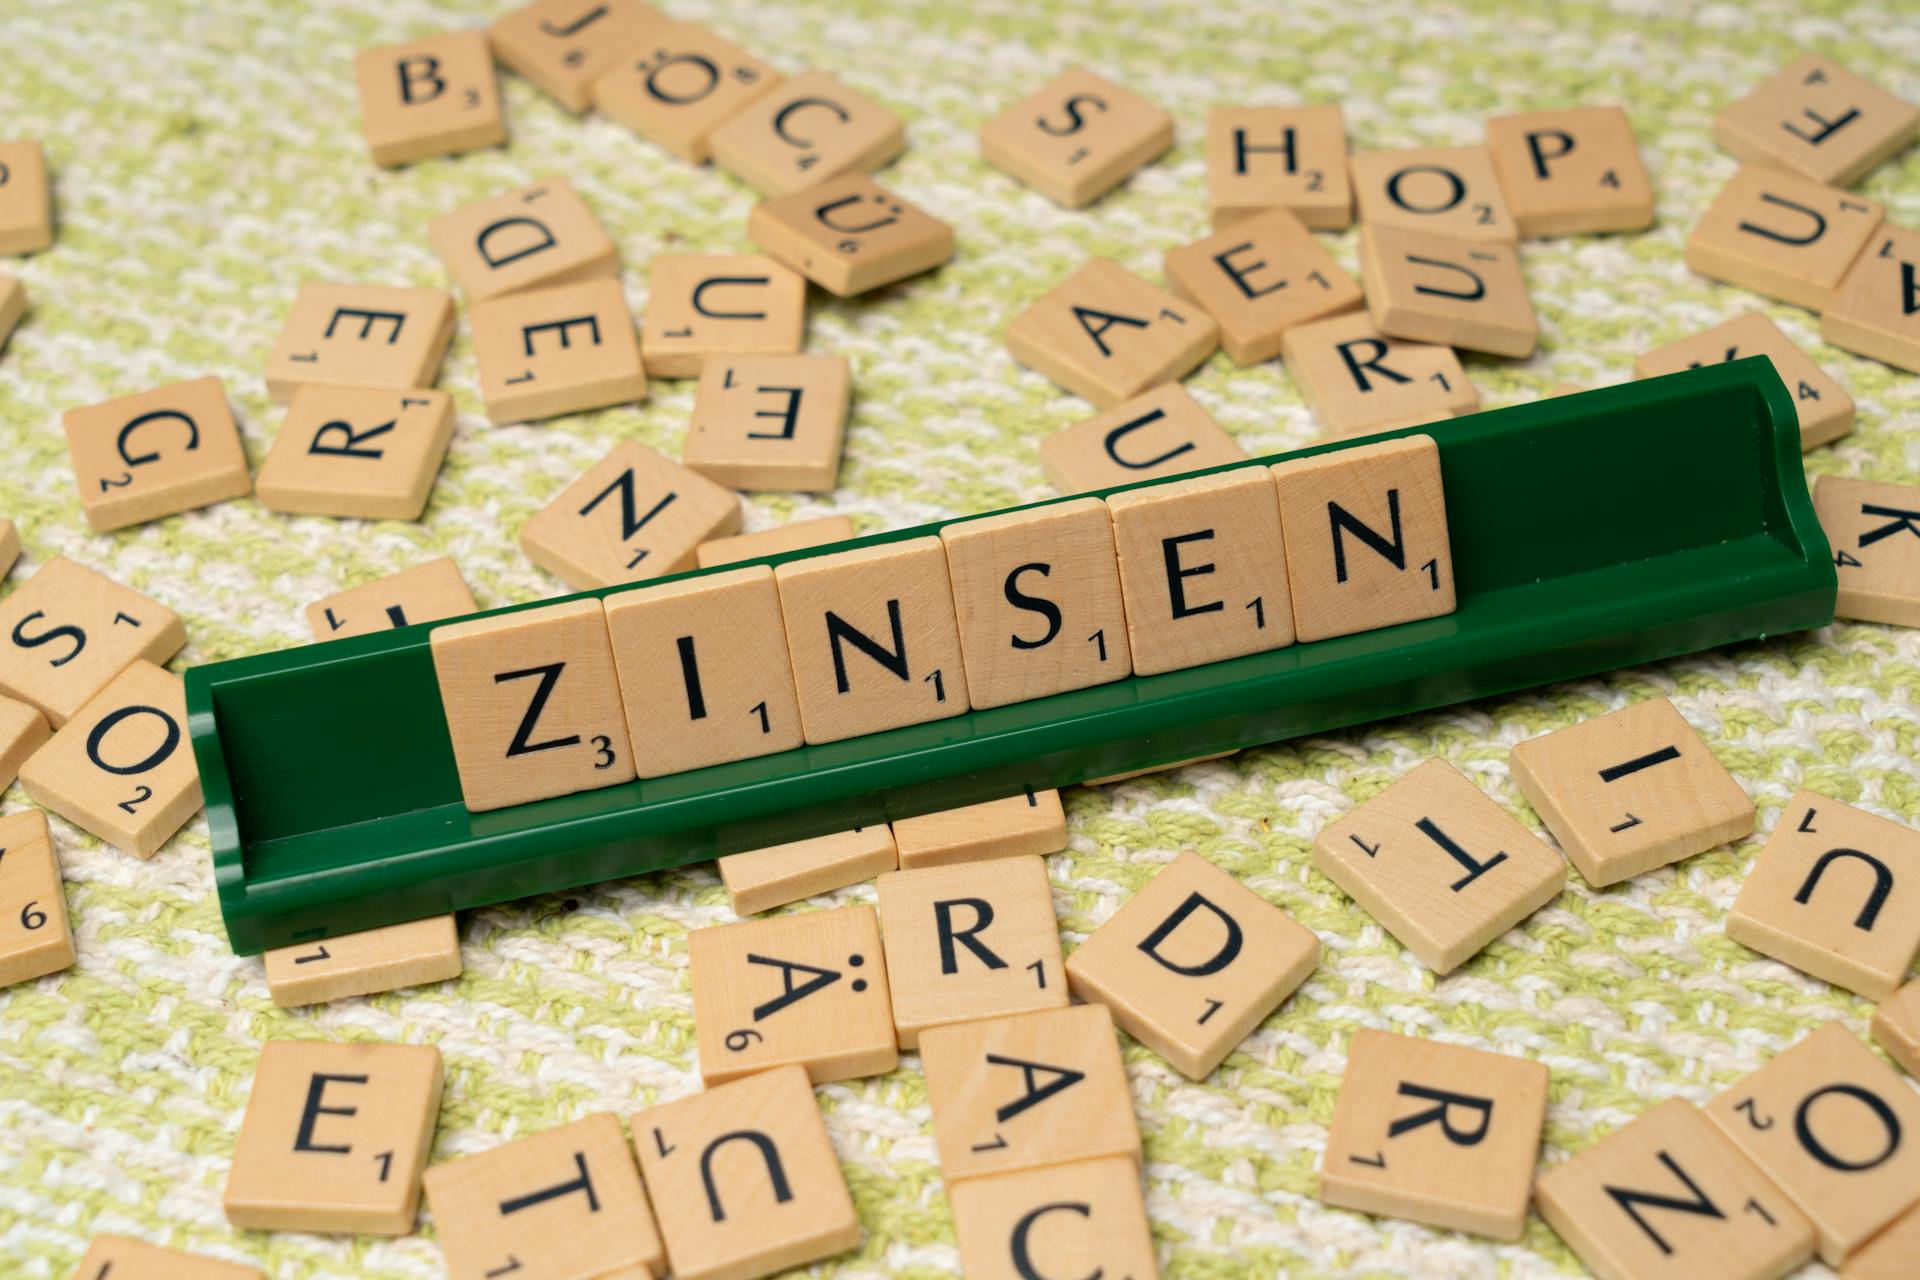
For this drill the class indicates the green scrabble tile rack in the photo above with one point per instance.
(1679, 519)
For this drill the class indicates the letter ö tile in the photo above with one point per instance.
(680, 85)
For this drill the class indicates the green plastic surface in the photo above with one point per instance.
(1678, 520)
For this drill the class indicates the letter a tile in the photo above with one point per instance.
(532, 238)
(1781, 236)
(563, 46)
(557, 350)
(631, 516)
(360, 335)
(357, 452)
(424, 593)
(1162, 433)
(1875, 533)
(66, 631)
(35, 938)
(112, 1256)
(1079, 1219)
(1817, 119)
(1076, 139)
(1106, 334)
(140, 457)
(1876, 310)
(1823, 405)
(432, 97)
(1358, 380)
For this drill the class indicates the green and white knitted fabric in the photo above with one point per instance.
(207, 159)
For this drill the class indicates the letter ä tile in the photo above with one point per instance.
(1292, 158)
(424, 593)
(1817, 119)
(532, 238)
(1076, 139)
(761, 879)
(550, 351)
(1357, 380)
(432, 97)
(563, 46)
(1781, 236)
(66, 631)
(358, 964)
(1086, 1218)
(1571, 172)
(35, 938)
(360, 335)
(1875, 533)
(770, 422)
(1162, 432)
(358, 452)
(706, 305)
(1106, 334)
(679, 86)
(1030, 823)
(631, 516)
(109, 1256)
(1450, 190)
(160, 452)
(807, 131)
(1876, 309)
(1823, 406)
(1258, 278)
(850, 235)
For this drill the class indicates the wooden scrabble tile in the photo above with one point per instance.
(1889, 1255)
(1076, 139)
(431, 97)
(1192, 963)
(873, 639)
(1366, 537)
(563, 46)
(1823, 405)
(703, 670)
(850, 234)
(1781, 236)
(770, 422)
(761, 879)
(1670, 1195)
(1258, 278)
(35, 939)
(1571, 172)
(1439, 864)
(1162, 432)
(547, 352)
(1875, 533)
(1037, 592)
(1449, 291)
(362, 452)
(1106, 334)
(109, 1257)
(976, 940)
(359, 964)
(1026, 1091)
(681, 85)
(13, 305)
(633, 515)
(1815, 118)
(140, 457)
(360, 335)
(1015, 1226)
(1825, 1120)
(1358, 380)
(720, 305)
(1158, 768)
(1629, 791)
(744, 1180)
(1030, 823)
(335, 1137)
(1436, 1133)
(1876, 310)
(23, 731)
(532, 704)
(1835, 893)
(1450, 190)
(424, 593)
(566, 1201)
(797, 536)
(1200, 570)
(532, 238)
(26, 206)
(70, 630)
(1292, 158)
(1896, 1027)
(806, 131)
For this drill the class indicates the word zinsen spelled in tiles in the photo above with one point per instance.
(563, 46)
(702, 306)
(358, 452)
(1085, 1218)
(1819, 120)
(424, 593)
(1874, 530)
(432, 97)
(1160, 433)
(761, 879)
(632, 515)
(1291, 158)
(806, 131)
(1106, 334)
(535, 237)
(69, 630)
(1032, 822)
(358, 964)
(1076, 139)
(1823, 406)
(157, 453)
(850, 235)
(35, 939)
(360, 335)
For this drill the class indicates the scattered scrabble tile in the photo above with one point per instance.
(703, 670)
(1029, 1090)
(720, 305)
(770, 422)
(681, 84)
(360, 335)
(335, 1137)
(109, 1257)
(1158, 768)
(1876, 310)
(1781, 236)
(872, 638)
(1076, 139)
(360, 452)
(797, 536)
(532, 238)
(1366, 537)
(1829, 895)
(1162, 432)
(23, 731)
(1889, 1255)
(1629, 791)
(359, 964)
(1823, 405)
(761, 879)
(1436, 1133)
(1259, 277)
(26, 206)
(564, 1202)
(1450, 190)
(1081, 1219)
(424, 593)
(744, 1180)
(563, 46)
(1817, 119)
(1032, 822)
(850, 235)
(806, 131)
(532, 704)
(122, 767)
(1896, 1027)
(1037, 593)
(1447, 290)
(1292, 158)
(976, 940)
(545, 352)
(140, 457)
(1358, 380)
(1198, 571)
(808, 989)
(1875, 533)
(35, 939)
(1441, 866)
(1825, 1121)
(1670, 1195)
(70, 630)
(633, 515)
(1571, 172)
(13, 305)
(1193, 963)
(1106, 334)
(431, 97)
